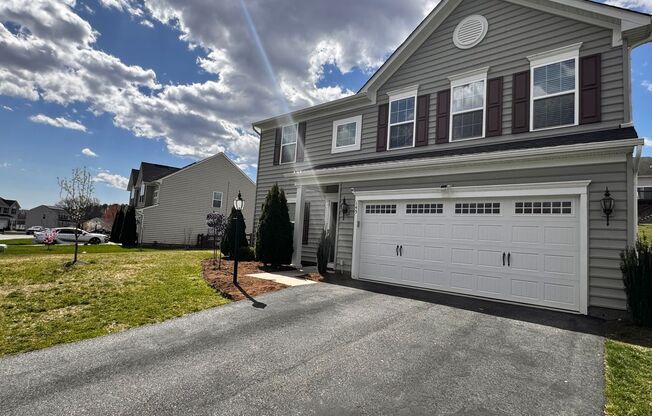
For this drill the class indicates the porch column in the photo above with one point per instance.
(298, 227)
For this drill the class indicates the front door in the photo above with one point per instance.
(331, 226)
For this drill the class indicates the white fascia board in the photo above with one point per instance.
(555, 55)
(491, 191)
(469, 76)
(569, 155)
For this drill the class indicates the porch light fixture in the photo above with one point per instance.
(607, 204)
(345, 208)
(238, 204)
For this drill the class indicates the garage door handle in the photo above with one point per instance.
(509, 259)
(397, 250)
(401, 251)
(503, 259)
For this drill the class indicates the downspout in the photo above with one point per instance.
(256, 206)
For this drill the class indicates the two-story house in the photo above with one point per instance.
(48, 216)
(172, 203)
(475, 160)
(8, 213)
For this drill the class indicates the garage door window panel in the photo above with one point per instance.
(424, 208)
(543, 208)
(380, 209)
(477, 208)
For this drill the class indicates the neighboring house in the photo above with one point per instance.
(20, 219)
(644, 185)
(47, 216)
(8, 213)
(96, 225)
(172, 207)
(474, 161)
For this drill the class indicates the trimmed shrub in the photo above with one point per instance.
(129, 234)
(274, 234)
(228, 242)
(324, 251)
(246, 254)
(116, 229)
(636, 265)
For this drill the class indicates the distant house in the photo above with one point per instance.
(8, 213)
(172, 203)
(644, 185)
(47, 216)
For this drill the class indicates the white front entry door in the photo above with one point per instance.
(523, 250)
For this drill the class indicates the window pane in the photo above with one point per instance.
(401, 136)
(289, 134)
(468, 97)
(467, 125)
(346, 135)
(554, 78)
(554, 111)
(291, 208)
(402, 110)
(288, 153)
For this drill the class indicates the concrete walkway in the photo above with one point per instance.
(322, 350)
(291, 278)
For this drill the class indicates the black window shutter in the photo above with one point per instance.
(423, 113)
(495, 107)
(306, 224)
(521, 102)
(277, 147)
(590, 89)
(383, 120)
(443, 116)
(301, 141)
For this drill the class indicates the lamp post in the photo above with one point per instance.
(238, 204)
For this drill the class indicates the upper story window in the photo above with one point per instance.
(217, 199)
(402, 120)
(468, 105)
(131, 194)
(141, 197)
(155, 196)
(289, 135)
(555, 100)
(13, 211)
(347, 134)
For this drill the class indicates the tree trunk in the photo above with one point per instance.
(74, 260)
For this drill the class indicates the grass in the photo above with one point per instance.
(18, 242)
(645, 230)
(31, 249)
(43, 303)
(628, 372)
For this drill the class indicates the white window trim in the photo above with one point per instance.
(143, 190)
(155, 196)
(358, 134)
(215, 199)
(463, 79)
(296, 146)
(409, 92)
(554, 56)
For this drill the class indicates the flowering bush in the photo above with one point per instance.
(50, 237)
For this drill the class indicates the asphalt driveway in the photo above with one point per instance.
(323, 349)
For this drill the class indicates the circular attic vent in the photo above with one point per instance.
(470, 31)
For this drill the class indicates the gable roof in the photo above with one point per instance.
(150, 172)
(634, 26)
(222, 155)
(9, 202)
(645, 167)
(133, 177)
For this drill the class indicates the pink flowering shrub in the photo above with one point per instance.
(50, 237)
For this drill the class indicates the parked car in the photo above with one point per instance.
(67, 235)
(34, 229)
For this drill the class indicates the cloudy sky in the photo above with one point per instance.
(108, 83)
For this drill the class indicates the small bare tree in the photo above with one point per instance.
(216, 226)
(76, 198)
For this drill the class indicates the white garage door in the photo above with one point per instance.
(4, 223)
(522, 250)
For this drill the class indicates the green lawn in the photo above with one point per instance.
(645, 230)
(628, 371)
(18, 242)
(42, 303)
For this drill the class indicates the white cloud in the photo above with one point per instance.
(647, 84)
(5, 165)
(267, 58)
(60, 122)
(147, 23)
(88, 152)
(6, 107)
(112, 180)
(640, 5)
(648, 141)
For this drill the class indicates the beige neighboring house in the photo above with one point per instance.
(172, 203)
(47, 216)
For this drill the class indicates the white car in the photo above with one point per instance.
(35, 229)
(67, 235)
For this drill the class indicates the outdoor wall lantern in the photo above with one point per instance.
(238, 204)
(345, 208)
(607, 204)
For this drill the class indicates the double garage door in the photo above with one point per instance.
(523, 250)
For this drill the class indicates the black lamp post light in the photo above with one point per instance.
(345, 208)
(238, 204)
(607, 203)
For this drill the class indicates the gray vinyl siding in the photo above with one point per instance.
(605, 243)
(185, 198)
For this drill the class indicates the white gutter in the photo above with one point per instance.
(437, 165)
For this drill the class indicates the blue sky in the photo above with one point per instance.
(130, 80)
